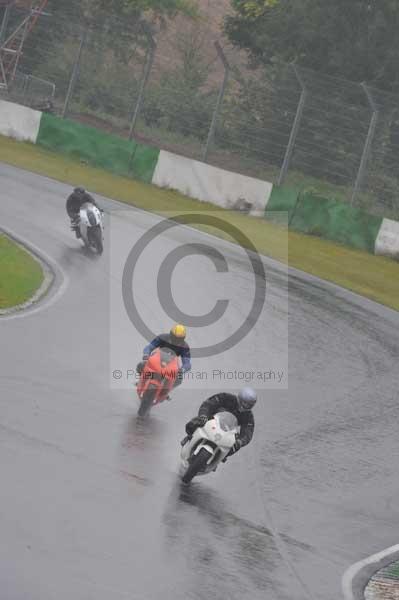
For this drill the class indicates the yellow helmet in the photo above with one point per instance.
(178, 331)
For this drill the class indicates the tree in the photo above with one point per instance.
(117, 27)
(353, 39)
(129, 12)
(182, 101)
(127, 8)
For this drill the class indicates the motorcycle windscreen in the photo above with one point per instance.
(227, 421)
(166, 355)
(91, 217)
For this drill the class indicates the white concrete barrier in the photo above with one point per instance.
(211, 184)
(19, 122)
(387, 242)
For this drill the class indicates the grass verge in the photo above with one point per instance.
(20, 274)
(375, 277)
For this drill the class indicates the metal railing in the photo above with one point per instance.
(30, 90)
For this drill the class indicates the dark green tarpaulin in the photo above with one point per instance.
(98, 148)
(336, 221)
(281, 204)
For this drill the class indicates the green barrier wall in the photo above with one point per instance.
(282, 200)
(306, 212)
(98, 148)
(335, 221)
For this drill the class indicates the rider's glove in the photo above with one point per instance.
(196, 422)
(179, 378)
(202, 419)
(235, 448)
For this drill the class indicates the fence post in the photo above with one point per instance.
(75, 72)
(3, 38)
(294, 130)
(212, 128)
(368, 142)
(143, 83)
(4, 23)
(25, 88)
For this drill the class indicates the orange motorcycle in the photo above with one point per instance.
(157, 379)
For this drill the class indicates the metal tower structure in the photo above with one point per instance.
(12, 43)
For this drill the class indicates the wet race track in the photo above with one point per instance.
(90, 503)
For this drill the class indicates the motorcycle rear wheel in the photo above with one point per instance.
(197, 465)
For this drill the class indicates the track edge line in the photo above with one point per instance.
(50, 276)
(358, 575)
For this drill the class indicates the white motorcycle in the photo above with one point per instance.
(91, 227)
(208, 446)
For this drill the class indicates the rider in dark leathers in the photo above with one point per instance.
(239, 405)
(73, 204)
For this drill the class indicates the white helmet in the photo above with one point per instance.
(246, 399)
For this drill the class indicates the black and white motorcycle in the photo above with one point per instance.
(91, 227)
(208, 446)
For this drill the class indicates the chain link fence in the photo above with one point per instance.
(30, 90)
(178, 90)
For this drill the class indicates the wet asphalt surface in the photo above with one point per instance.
(90, 502)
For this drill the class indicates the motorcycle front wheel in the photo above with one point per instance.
(96, 240)
(146, 401)
(197, 465)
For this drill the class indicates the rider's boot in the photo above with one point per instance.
(75, 227)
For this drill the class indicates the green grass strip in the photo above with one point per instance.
(375, 277)
(20, 274)
(391, 571)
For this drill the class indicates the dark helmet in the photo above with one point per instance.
(246, 399)
(79, 191)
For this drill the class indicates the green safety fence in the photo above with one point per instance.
(97, 148)
(306, 211)
(281, 204)
(336, 221)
